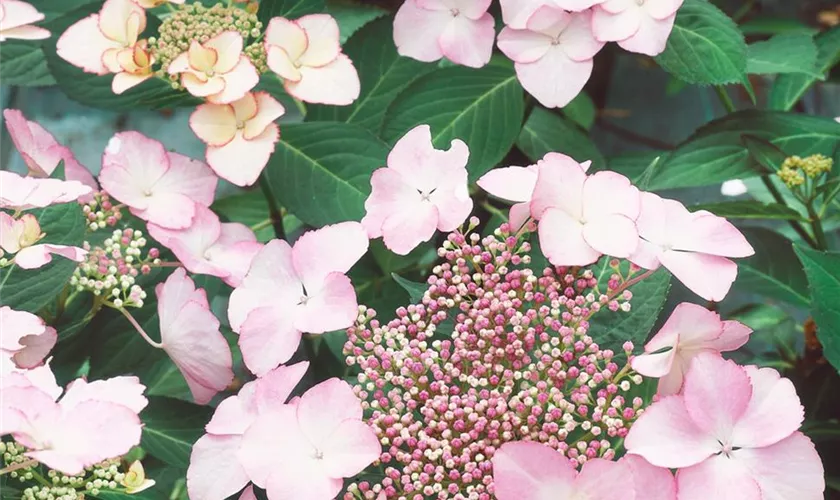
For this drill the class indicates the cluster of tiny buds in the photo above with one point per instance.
(13, 456)
(100, 212)
(110, 271)
(795, 169)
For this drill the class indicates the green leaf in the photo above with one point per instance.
(251, 208)
(716, 153)
(636, 164)
(32, 289)
(705, 47)
(776, 26)
(546, 131)
(788, 89)
(792, 53)
(581, 110)
(351, 16)
(170, 427)
(321, 171)
(823, 271)
(383, 73)
(23, 64)
(290, 9)
(415, 290)
(767, 158)
(773, 271)
(750, 209)
(463, 103)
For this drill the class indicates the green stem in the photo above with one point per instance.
(794, 224)
(18, 466)
(816, 226)
(725, 99)
(137, 326)
(273, 209)
(743, 11)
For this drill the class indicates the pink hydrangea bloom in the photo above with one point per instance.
(16, 19)
(459, 30)
(733, 435)
(216, 69)
(289, 291)
(23, 193)
(18, 237)
(553, 54)
(240, 136)
(26, 339)
(515, 13)
(211, 247)
(690, 330)
(324, 440)
(41, 152)
(215, 471)
(159, 187)
(90, 423)
(641, 26)
(189, 333)
(306, 54)
(421, 190)
(583, 217)
(694, 246)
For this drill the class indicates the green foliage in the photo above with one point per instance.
(546, 131)
(415, 290)
(789, 88)
(23, 64)
(823, 271)
(789, 53)
(290, 9)
(171, 427)
(750, 209)
(352, 15)
(773, 271)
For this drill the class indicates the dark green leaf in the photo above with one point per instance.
(634, 165)
(352, 15)
(789, 53)
(581, 110)
(32, 289)
(775, 26)
(170, 427)
(705, 47)
(546, 131)
(390, 262)
(765, 157)
(321, 171)
(750, 209)
(251, 209)
(773, 271)
(823, 271)
(415, 290)
(788, 89)
(463, 103)
(383, 73)
(23, 64)
(290, 9)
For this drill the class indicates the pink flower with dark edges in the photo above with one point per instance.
(423, 189)
(23, 193)
(553, 54)
(215, 471)
(189, 333)
(732, 434)
(515, 13)
(306, 54)
(90, 423)
(16, 18)
(459, 30)
(41, 152)
(583, 217)
(689, 331)
(18, 238)
(695, 247)
(216, 70)
(211, 247)
(26, 339)
(240, 136)
(641, 26)
(159, 187)
(324, 440)
(289, 291)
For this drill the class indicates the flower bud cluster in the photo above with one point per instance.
(794, 169)
(197, 22)
(493, 352)
(110, 270)
(100, 212)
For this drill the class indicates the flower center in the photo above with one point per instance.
(455, 12)
(640, 2)
(147, 192)
(303, 300)
(318, 455)
(240, 125)
(555, 40)
(426, 196)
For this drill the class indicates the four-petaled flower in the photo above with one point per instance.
(135, 67)
(16, 18)
(19, 237)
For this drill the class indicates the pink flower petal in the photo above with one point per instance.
(125, 81)
(718, 477)
(122, 20)
(40, 255)
(555, 79)
(25, 33)
(389, 193)
(278, 61)
(560, 181)
(214, 472)
(523, 46)
(714, 235)
(265, 452)
(696, 326)
(14, 13)
(612, 234)
(192, 178)
(241, 161)
(83, 45)
(576, 5)
(734, 335)
(774, 412)
(516, 13)
(651, 38)
(790, 468)
(268, 110)
(336, 83)
(23, 193)
(350, 449)
(472, 9)
(415, 223)
(714, 411)
(468, 42)
(323, 408)
(600, 478)
(708, 276)
(608, 27)
(651, 482)
(577, 40)
(519, 215)
(35, 348)
(655, 365)
(322, 35)
(422, 165)
(610, 193)
(452, 199)
(333, 248)
(286, 35)
(214, 124)
(562, 240)
(267, 338)
(417, 31)
(333, 307)
(529, 471)
(232, 416)
(248, 494)
(132, 165)
(228, 47)
(124, 391)
(510, 183)
(275, 387)
(237, 82)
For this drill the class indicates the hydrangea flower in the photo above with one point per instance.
(641, 26)
(515, 13)
(459, 30)
(159, 187)
(306, 54)
(23, 193)
(421, 190)
(16, 19)
(18, 238)
(26, 339)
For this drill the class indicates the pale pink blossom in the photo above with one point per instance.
(160, 187)
(515, 13)
(135, 67)
(25, 338)
(189, 333)
(641, 26)
(210, 246)
(459, 30)
(732, 434)
(289, 291)
(40, 377)
(423, 189)
(324, 440)
(650, 482)
(553, 54)
(41, 152)
(240, 136)
(18, 238)
(215, 471)
(583, 217)
(695, 247)
(90, 423)
(16, 19)
(23, 193)
(306, 54)
(690, 330)
(216, 69)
